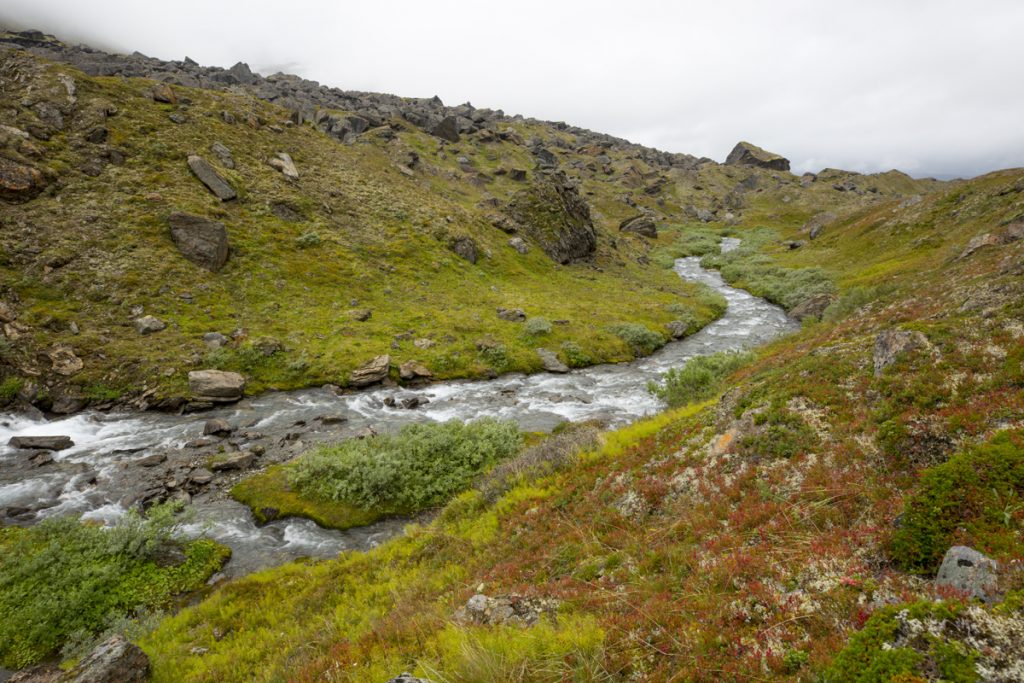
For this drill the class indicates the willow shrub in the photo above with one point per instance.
(421, 466)
(699, 378)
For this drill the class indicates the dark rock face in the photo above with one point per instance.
(553, 214)
(813, 308)
(45, 443)
(447, 129)
(19, 182)
(200, 240)
(371, 373)
(465, 247)
(209, 177)
(746, 154)
(641, 225)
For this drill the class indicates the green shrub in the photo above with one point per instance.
(643, 340)
(692, 241)
(9, 389)
(307, 240)
(976, 497)
(497, 357)
(782, 434)
(422, 466)
(699, 378)
(851, 300)
(537, 326)
(62, 579)
(575, 356)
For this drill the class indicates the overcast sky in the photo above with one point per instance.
(932, 87)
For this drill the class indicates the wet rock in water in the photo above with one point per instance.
(812, 308)
(889, 344)
(677, 329)
(43, 443)
(641, 225)
(217, 428)
(413, 369)
(515, 315)
(371, 373)
(200, 240)
(208, 175)
(149, 324)
(283, 163)
(18, 181)
(505, 609)
(217, 386)
(64, 361)
(332, 419)
(967, 570)
(550, 362)
(236, 461)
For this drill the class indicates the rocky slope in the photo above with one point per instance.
(162, 218)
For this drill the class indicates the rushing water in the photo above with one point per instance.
(106, 445)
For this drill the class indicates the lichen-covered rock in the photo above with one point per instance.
(19, 182)
(115, 660)
(550, 361)
(553, 214)
(149, 324)
(818, 223)
(283, 163)
(641, 225)
(967, 570)
(746, 154)
(889, 344)
(514, 610)
(812, 308)
(202, 241)
(465, 247)
(208, 176)
(371, 373)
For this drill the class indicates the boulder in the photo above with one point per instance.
(215, 340)
(550, 362)
(223, 154)
(817, 224)
(447, 129)
(163, 93)
(19, 182)
(235, 461)
(202, 241)
(967, 570)
(641, 225)
(283, 163)
(208, 176)
(201, 476)
(149, 324)
(217, 386)
(519, 244)
(64, 361)
(515, 610)
(465, 247)
(413, 369)
(217, 428)
(515, 315)
(553, 214)
(677, 329)
(115, 660)
(812, 308)
(746, 154)
(43, 443)
(889, 344)
(371, 373)
(1010, 234)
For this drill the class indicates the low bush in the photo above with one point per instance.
(644, 341)
(9, 389)
(537, 326)
(307, 240)
(851, 300)
(575, 356)
(421, 466)
(699, 378)
(975, 498)
(63, 580)
(692, 241)
(781, 434)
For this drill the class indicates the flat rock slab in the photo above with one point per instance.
(371, 373)
(216, 385)
(43, 443)
(209, 177)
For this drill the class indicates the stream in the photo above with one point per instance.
(92, 477)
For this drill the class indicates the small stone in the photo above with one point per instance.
(550, 362)
(215, 340)
(519, 244)
(283, 163)
(360, 314)
(516, 315)
(413, 369)
(164, 93)
(208, 175)
(149, 324)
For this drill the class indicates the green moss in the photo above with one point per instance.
(975, 498)
(9, 389)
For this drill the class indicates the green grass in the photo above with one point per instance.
(62, 580)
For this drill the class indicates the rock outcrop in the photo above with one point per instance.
(889, 344)
(115, 660)
(553, 214)
(202, 241)
(371, 373)
(746, 154)
(19, 182)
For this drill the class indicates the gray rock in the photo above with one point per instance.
(465, 247)
(519, 244)
(447, 129)
(889, 344)
(746, 154)
(209, 177)
(413, 369)
(515, 315)
(677, 328)
(283, 163)
(371, 373)
(200, 240)
(504, 609)
(965, 569)
(63, 360)
(235, 461)
(215, 340)
(217, 386)
(163, 93)
(555, 217)
(812, 308)
(45, 443)
(641, 225)
(149, 324)
(201, 476)
(115, 660)
(217, 428)
(550, 362)
(223, 154)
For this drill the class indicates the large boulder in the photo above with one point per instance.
(812, 308)
(447, 129)
(209, 177)
(641, 225)
(553, 215)
(19, 182)
(889, 344)
(149, 324)
(217, 386)
(200, 240)
(967, 570)
(371, 373)
(115, 660)
(746, 154)
(413, 370)
(44, 443)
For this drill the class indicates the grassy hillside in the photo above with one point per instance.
(746, 538)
